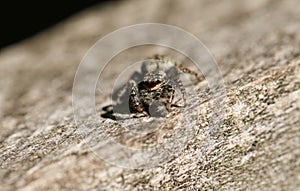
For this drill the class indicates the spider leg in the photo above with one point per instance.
(188, 71)
(176, 104)
(182, 89)
(179, 82)
(122, 92)
(134, 102)
(169, 94)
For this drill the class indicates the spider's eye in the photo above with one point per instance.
(151, 84)
(157, 81)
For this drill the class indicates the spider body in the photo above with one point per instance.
(157, 88)
(151, 91)
(154, 92)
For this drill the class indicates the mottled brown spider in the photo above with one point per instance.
(151, 91)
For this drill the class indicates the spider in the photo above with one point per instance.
(151, 92)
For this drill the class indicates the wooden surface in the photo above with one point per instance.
(256, 45)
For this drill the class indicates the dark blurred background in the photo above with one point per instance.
(22, 19)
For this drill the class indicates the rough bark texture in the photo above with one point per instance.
(256, 44)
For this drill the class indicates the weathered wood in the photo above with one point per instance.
(256, 44)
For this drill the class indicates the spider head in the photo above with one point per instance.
(153, 81)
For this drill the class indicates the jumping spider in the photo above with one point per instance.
(151, 91)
